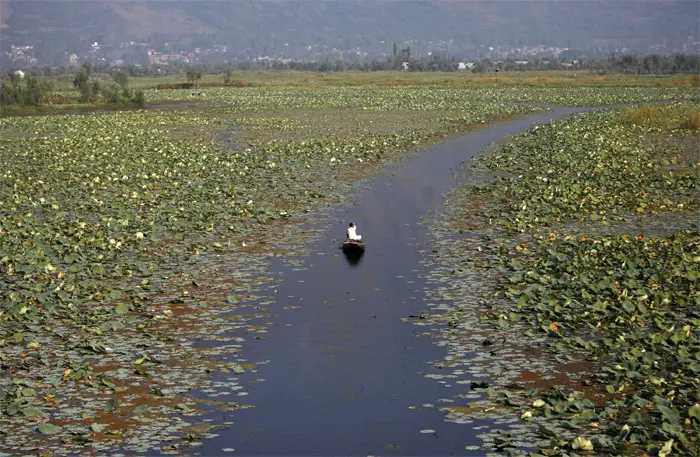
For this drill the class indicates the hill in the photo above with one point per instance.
(308, 29)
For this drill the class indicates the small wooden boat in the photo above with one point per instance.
(353, 247)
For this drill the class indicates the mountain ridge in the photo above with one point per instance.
(287, 28)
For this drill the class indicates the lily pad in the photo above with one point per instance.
(49, 429)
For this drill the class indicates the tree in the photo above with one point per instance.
(228, 75)
(403, 56)
(119, 76)
(325, 66)
(83, 75)
(15, 78)
(140, 98)
(9, 94)
(33, 92)
(193, 75)
(110, 90)
(339, 65)
(89, 89)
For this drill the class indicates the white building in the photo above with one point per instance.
(464, 66)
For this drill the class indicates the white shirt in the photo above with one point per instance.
(352, 234)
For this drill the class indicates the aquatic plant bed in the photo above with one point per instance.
(415, 97)
(565, 288)
(133, 250)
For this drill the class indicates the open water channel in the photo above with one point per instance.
(346, 376)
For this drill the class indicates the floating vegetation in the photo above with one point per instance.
(417, 97)
(135, 246)
(593, 168)
(134, 249)
(568, 288)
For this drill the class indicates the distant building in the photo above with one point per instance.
(24, 54)
(464, 66)
(163, 59)
(404, 66)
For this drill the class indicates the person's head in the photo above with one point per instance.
(352, 224)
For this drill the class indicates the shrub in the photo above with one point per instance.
(692, 122)
(32, 92)
(111, 91)
(175, 86)
(9, 95)
(233, 83)
(139, 98)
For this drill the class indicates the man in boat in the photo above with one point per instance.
(352, 234)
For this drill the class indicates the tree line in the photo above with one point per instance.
(631, 64)
(102, 83)
(111, 90)
(19, 89)
(29, 91)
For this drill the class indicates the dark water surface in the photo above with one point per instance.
(344, 369)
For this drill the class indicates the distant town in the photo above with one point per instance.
(17, 55)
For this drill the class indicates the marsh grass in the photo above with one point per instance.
(665, 117)
(692, 81)
(646, 116)
(692, 122)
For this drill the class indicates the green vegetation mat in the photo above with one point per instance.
(415, 97)
(581, 258)
(116, 229)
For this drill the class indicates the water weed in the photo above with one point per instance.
(126, 237)
(582, 303)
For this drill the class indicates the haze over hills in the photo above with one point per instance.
(346, 29)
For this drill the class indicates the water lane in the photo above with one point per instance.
(346, 375)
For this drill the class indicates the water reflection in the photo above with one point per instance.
(353, 254)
